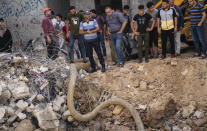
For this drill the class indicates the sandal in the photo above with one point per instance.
(196, 55)
(203, 56)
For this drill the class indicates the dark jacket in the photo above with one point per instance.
(179, 16)
(6, 42)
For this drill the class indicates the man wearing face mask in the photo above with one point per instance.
(49, 31)
(5, 38)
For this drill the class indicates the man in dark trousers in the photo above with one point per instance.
(5, 38)
(168, 27)
(75, 19)
(143, 19)
(116, 25)
(102, 25)
(49, 31)
(89, 28)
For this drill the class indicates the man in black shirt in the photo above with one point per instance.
(143, 19)
(5, 38)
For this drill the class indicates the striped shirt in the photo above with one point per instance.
(196, 14)
(91, 25)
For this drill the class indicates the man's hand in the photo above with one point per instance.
(159, 30)
(175, 29)
(200, 24)
(89, 32)
(148, 29)
(136, 33)
(68, 35)
(49, 40)
(119, 32)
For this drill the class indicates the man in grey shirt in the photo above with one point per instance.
(154, 33)
(116, 25)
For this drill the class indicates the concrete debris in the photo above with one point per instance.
(19, 89)
(143, 85)
(22, 105)
(198, 114)
(47, 118)
(2, 112)
(188, 110)
(57, 104)
(25, 125)
(162, 107)
(21, 115)
(117, 110)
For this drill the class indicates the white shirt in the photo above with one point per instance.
(54, 22)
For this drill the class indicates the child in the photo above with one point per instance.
(66, 34)
(142, 33)
(59, 26)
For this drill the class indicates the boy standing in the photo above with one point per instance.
(89, 28)
(142, 33)
(49, 31)
(167, 18)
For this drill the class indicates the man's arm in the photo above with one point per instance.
(153, 24)
(123, 27)
(133, 28)
(45, 29)
(175, 20)
(158, 26)
(203, 18)
(123, 21)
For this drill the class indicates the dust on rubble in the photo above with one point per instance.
(167, 93)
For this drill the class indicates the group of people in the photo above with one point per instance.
(87, 31)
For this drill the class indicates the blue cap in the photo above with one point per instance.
(86, 12)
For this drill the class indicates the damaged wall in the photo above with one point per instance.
(24, 17)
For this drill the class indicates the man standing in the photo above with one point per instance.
(116, 24)
(153, 34)
(180, 25)
(89, 28)
(102, 25)
(198, 15)
(75, 19)
(167, 18)
(49, 31)
(142, 33)
(127, 30)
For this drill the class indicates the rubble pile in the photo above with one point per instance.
(33, 97)
(32, 93)
(171, 94)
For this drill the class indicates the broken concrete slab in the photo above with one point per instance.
(19, 89)
(47, 118)
(2, 112)
(25, 125)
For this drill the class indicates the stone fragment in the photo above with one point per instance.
(22, 105)
(2, 112)
(25, 125)
(117, 110)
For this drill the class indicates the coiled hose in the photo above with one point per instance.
(112, 101)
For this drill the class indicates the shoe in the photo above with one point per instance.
(120, 65)
(173, 56)
(196, 55)
(146, 60)
(103, 69)
(203, 56)
(151, 57)
(162, 57)
(92, 70)
(140, 61)
(71, 61)
(85, 61)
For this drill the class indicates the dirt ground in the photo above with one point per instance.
(183, 78)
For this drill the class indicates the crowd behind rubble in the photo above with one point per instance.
(85, 31)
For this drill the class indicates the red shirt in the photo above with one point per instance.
(65, 32)
(47, 26)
